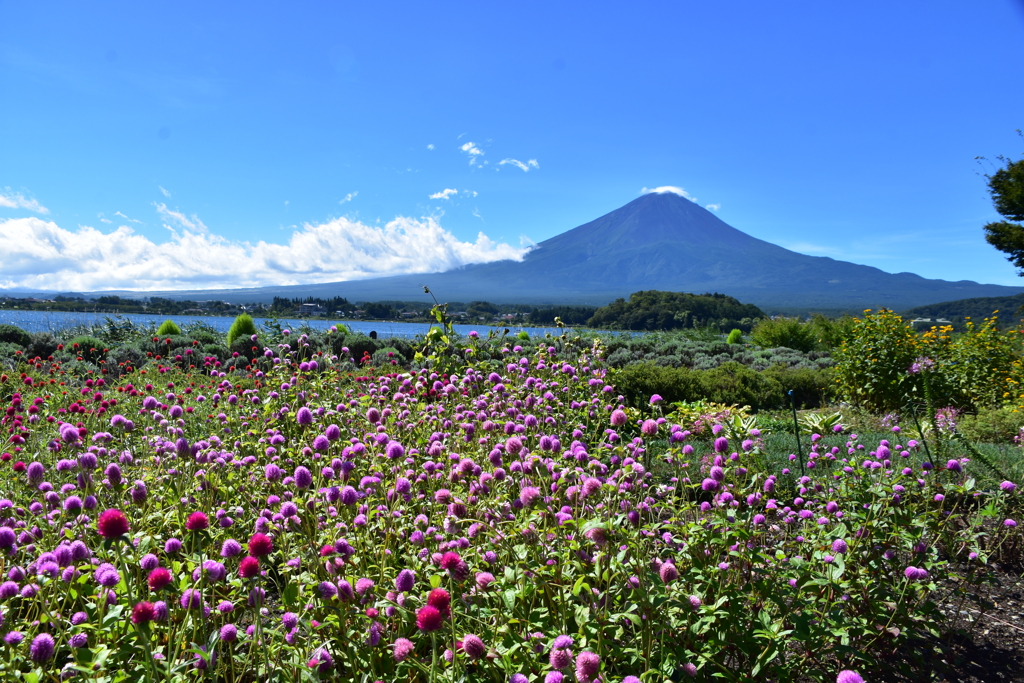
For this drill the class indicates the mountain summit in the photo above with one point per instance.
(658, 241)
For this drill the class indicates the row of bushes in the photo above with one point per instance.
(729, 383)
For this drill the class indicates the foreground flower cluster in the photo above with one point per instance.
(510, 523)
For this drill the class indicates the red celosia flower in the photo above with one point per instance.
(158, 578)
(440, 600)
(112, 524)
(142, 612)
(248, 567)
(197, 521)
(428, 618)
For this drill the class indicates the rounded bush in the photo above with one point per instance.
(15, 335)
(243, 326)
(168, 328)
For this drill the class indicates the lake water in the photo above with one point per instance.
(50, 321)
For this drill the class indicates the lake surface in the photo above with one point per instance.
(50, 321)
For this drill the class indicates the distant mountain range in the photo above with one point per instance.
(660, 241)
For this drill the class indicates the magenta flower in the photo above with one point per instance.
(588, 665)
(112, 524)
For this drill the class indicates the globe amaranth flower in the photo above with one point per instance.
(230, 548)
(405, 581)
(248, 567)
(159, 578)
(440, 600)
(429, 618)
(915, 574)
(560, 658)
(839, 546)
(112, 524)
(192, 599)
(197, 521)
(403, 648)
(847, 676)
(42, 648)
(473, 646)
(143, 612)
(668, 572)
(260, 545)
(303, 477)
(304, 416)
(529, 495)
(229, 633)
(588, 665)
(106, 575)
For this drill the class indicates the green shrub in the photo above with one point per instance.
(992, 425)
(244, 346)
(43, 345)
(218, 351)
(788, 332)
(9, 350)
(167, 329)
(638, 382)
(811, 387)
(11, 334)
(735, 337)
(124, 359)
(729, 383)
(735, 383)
(243, 326)
(204, 337)
(89, 349)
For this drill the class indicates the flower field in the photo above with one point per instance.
(510, 520)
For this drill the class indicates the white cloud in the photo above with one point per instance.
(713, 207)
(444, 194)
(103, 219)
(668, 189)
(430, 146)
(808, 248)
(349, 197)
(164, 192)
(532, 163)
(472, 150)
(39, 254)
(130, 220)
(10, 199)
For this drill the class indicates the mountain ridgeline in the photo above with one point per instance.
(659, 241)
(653, 310)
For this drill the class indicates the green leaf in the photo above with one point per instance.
(290, 594)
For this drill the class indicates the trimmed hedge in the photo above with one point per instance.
(729, 383)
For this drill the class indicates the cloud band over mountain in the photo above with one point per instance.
(40, 254)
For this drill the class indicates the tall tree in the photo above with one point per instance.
(1006, 186)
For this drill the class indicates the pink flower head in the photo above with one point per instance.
(112, 524)
(588, 665)
(197, 521)
(260, 545)
(429, 618)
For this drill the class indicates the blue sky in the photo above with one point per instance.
(193, 145)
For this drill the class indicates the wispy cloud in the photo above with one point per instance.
(713, 207)
(444, 194)
(103, 219)
(430, 146)
(10, 199)
(164, 192)
(669, 189)
(473, 151)
(349, 197)
(532, 163)
(39, 254)
(130, 220)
